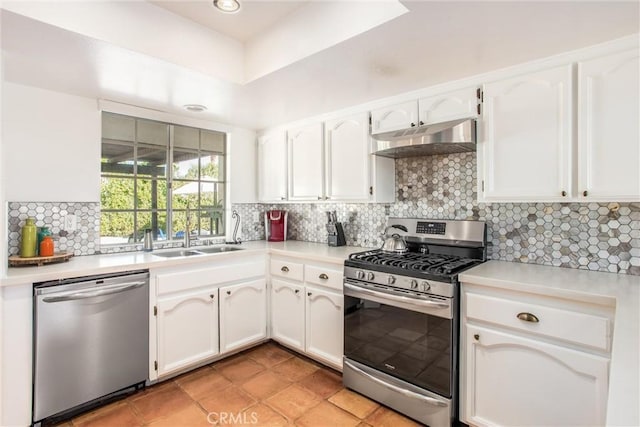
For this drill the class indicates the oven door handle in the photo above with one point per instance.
(408, 393)
(415, 301)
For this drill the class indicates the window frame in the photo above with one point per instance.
(169, 210)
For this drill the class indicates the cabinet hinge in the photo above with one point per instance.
(480, 97)
(155, 310)
(371, 191)
(155, 365)
(483, 185)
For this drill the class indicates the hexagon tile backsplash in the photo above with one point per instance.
(593, 236)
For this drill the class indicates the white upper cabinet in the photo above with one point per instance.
(609, 128)
(525, 149)
(394, 117)
(306, 165)
(347, 158)
(272, 167)
(454, 105)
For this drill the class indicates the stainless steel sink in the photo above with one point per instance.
(198, 251)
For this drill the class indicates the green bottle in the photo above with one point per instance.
(42, 233)
(29, 239)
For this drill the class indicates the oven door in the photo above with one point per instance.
(407, 338)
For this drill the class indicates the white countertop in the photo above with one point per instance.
(110, 263)
(623, 291)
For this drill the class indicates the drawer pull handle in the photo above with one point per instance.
(528, 317)
(323, 276)
(284, 269)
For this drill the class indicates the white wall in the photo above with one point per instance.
(50, 146)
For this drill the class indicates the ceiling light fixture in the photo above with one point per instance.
(197, 108)
(227, 6)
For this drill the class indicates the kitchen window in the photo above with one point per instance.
(153, 173)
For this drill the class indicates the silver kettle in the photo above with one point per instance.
(394, 243)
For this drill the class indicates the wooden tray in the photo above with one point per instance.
(17, 261)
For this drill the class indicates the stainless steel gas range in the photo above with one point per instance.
(401, 317)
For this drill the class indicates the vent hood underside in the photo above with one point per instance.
(457, 136)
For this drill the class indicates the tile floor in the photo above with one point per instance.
(264, 386)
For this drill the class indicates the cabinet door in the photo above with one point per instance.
(187, 329)
(608, 128)
(526, 145)
(324, 325)
(454, 105)
(306, 165)
(394, 117)
(517, 381)
(287, 313)
(347, 158)
(272, 167)
(243, 316)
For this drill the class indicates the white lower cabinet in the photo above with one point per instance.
(242, 314)
(517, 381)
(287, 313)
(324, 317)
(189, 325)
(533, 360)
(307, 309)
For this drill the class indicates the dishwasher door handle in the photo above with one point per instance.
(92, 293)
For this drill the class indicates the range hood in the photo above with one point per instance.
(456, 136)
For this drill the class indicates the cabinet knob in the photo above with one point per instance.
(413, 125)
(528, 317)
(212, 296)
(228, 292)
(319, 197)
(421, 123)
(476, 337)
(309, 294)
(283, 198)
(297, 291)
(284, 269)
(564, 193)
(584, 193)
(323, 276)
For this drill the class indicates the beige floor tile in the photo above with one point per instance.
(230, 400)
(115, 414)
(295, 369)
(269, 355)
(354, 403)
(161, 402)
(384, 417)
(293, 401)
(240, 370)
(322, 382)
(327, 415)
(191, 416)
(206, 384)
(265, 384)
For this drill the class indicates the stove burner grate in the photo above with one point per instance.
(428, 263)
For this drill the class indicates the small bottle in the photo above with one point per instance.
(29, 239)
(42, 232)
(46, 246)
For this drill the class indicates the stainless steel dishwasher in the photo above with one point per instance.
(91, 341)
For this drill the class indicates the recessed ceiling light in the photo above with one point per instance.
(194, 107)
(227, 6)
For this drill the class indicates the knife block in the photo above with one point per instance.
(336, 234)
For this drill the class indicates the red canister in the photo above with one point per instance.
(46, 246)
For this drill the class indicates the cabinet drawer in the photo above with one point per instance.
(290, 270)
(571, 326)
(323, 276)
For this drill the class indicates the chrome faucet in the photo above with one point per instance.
(187, 229)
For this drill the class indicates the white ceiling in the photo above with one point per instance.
(433, 43)
(253, 18)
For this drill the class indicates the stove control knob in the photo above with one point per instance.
(360, 274)
(370, 276)
(425, 286)
(414, 284)
(391, 280)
